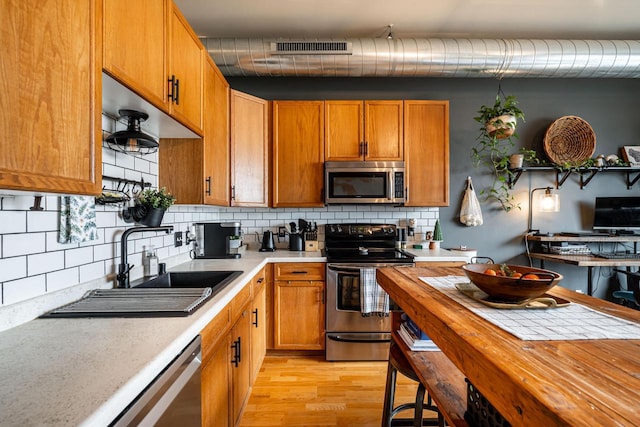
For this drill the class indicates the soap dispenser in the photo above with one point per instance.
(150, 262)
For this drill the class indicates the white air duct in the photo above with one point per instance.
(381, 57)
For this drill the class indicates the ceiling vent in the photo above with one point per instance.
(311, 48)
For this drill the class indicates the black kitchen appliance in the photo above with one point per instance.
(268, 244)
(216, 239)
(350, 250)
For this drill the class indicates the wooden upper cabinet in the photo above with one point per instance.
(151, 49)
(184, 72)
(426, 145)
(363, 130)
(51, 99)
(216, 135)
(134, 46)
(249, 150)
(298, 153)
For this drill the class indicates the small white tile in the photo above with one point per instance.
(13, 268)
(42, 221)
(106, 219)
(13, 222)
(23, 289)
(23, 244)
(54, 245)
(141, 165)
(104, 252)
(45, 263)
(18, 203)
(79, 256)
(62, 279)
(124, 160)
(91, 271)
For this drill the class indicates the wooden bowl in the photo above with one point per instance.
(511, 289)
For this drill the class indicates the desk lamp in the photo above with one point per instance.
(548, 202)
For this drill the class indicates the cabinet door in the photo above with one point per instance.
(185, 68)
(344, 130)
(258, 326)
(299, 315)
(51, 101)
(249, 150)
(383, 130)
(298, 153)
(180, 169)
(134, 53)
(426, 145)
(216, 135)
(216, 386)
(241, 363)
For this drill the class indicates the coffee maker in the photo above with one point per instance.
(217, 239)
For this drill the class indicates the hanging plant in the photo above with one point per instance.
(495, 144)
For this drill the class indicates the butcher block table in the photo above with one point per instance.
(577, 382)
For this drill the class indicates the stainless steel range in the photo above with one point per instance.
(352, 250)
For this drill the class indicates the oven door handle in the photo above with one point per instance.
(351, 338)
(342, 268)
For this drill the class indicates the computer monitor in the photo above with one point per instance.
(617, 214)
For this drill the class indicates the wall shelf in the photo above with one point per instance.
(632, 175)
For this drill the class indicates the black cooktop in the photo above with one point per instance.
(355, 242)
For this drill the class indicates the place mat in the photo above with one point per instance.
(572, 322)
(542, 302)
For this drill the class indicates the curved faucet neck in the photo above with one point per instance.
(124, 267)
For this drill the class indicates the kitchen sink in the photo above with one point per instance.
(215, 280)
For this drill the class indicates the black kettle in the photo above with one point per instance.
(268, 245)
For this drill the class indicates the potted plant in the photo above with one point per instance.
(495, 145)
(437, 236)
(153, 203)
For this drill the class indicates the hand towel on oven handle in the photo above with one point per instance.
(374, 301)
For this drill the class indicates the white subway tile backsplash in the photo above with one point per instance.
(13, 268)
(42, 221)
(13, 222)
(79, 256)
(92, 271)
(45, 262)
(62, 279)
(106, 219)
(53, 244)
(18, 203)
(23, 289)
(125, 161)
(104, 252)
(23, 244)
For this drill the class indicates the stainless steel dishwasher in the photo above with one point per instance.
(173, 398)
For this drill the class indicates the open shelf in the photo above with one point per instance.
(632, 174)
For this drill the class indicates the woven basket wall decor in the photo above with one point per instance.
(569, 139)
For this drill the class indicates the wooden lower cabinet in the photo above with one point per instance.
(232, 352)
(241, 363)
(299, 306)
(216, 385)
(258, 323)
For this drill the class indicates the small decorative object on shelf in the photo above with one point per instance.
(437, 236)
(631, 155)
(150, 206)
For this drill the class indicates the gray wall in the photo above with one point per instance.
(611, 107)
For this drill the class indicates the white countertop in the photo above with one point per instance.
(69, 372)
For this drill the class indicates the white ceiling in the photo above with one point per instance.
(553, 19)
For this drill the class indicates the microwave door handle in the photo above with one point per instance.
(389, 185)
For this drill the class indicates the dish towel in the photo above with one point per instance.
(77, 219)
(374, 301)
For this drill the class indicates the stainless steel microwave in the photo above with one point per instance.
(364, 182)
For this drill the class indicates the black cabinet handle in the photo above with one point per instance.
(177, 94)
(172, 88)
(239, 350)
(255, 313)
(260, 280)
(299, 272)
(208, 181)
(366, 148)
(233, 192)
(236, 356)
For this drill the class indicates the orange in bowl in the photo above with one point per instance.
(523, 284)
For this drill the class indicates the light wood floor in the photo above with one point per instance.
(309, 391)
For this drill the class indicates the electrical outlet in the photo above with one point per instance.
(282, 232)
(177, 238)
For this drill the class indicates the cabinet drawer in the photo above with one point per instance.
(299, 271)
(212, 333)
(258, 282)
(239, 302)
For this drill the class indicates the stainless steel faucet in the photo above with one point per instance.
(124, 267)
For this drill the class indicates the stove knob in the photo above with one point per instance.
(332, 229)
(339, 229)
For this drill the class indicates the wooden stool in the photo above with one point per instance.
(399, 363)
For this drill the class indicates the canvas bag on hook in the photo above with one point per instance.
(470, 213)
